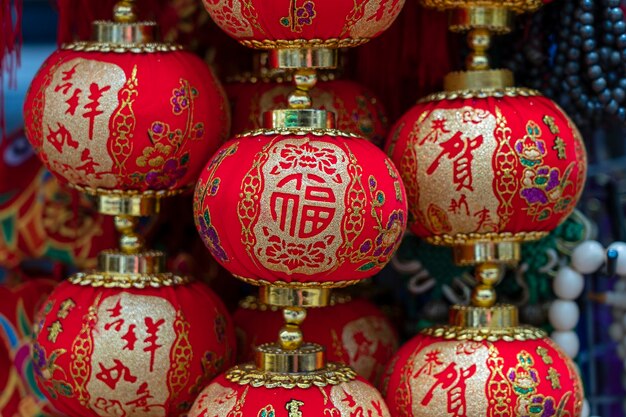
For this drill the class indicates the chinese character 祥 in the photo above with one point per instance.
(95, 94)
(152, 329)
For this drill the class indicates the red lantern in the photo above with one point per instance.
(340, 398)
(356, 108)
(135, 351)
(303, 23)
(504, 167)
(42, 218)
(438, 373)
(354, 332)
(301, 208)
(144, 118)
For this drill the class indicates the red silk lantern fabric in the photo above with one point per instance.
(356, 109)
(354, 332)
(142, 352)
(300, 208)
(285, 23)
(125, 121)
(488, 166)
(20, 394)
(223, 398)
(40, 218)
(436, 377)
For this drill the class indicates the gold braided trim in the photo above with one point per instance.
(298, 131)
(481, 93)
(465, 239)
(281, 284)
(143, 48)
(109, 280)
(130, 193)
(518, 6)
(249, 374)
(333, 43)
(507, 334)
(251, 302)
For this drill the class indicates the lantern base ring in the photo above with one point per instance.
(331, 374)
(518, 6)
(496, 19)
(500, 316)
(271, 357)
(131, 33)
(294, 297)
(131, 205)
(472, 253)
(298, 118)
(492, 79)
(148, 262)
(306, 57)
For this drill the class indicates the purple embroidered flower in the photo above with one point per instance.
(180, 100)
(167, 176)
(158, 127)
(366, 246)
(534, 195)
(305, 13)
(210, 237)
(39, 359)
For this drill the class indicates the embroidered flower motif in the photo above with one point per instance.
(295, 255)
(179, 100)
(308, 156)
(154, 156)
(210, 237)
(39, 360)
(300, 16)
(167, 176)
(305, 13)
(393, 232)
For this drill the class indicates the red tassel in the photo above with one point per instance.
(76, 17)
(406, 62)
(10, 44)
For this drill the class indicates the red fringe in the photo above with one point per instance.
(10, 45)
(408, 61)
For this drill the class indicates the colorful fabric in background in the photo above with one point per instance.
(20, 396)
(40, 219)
